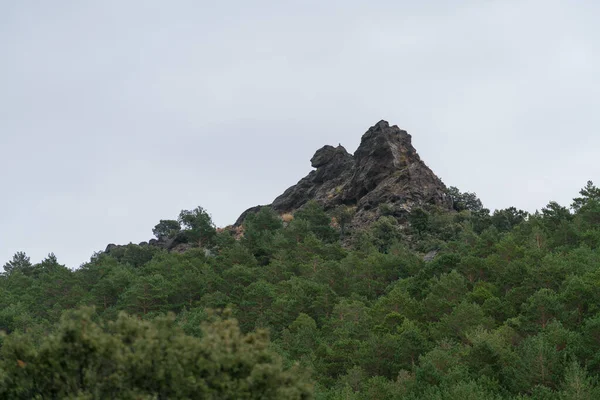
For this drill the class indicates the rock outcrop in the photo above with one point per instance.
(384, 170)
(334, 168)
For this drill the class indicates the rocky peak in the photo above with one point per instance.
(388, 144)
(383, 150)
(385, 169)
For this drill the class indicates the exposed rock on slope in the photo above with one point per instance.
(385, 169)
(334, 168)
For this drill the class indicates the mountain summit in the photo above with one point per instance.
(384, 170)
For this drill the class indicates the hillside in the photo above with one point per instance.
(368, 279)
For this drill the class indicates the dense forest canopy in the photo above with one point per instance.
(504, 305)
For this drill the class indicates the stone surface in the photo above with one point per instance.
(334, 168)
(385, 169)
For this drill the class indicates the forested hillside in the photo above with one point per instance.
(506, 307)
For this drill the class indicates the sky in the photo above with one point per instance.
(116, 114)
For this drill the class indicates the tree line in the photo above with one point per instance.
(509, 308)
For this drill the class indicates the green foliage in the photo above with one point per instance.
(259, 233)
(508, 308)
(166, 229)
(343, 216)
(464, 201)
(505, 220)
(385, 233)
(319, 222)
(590, 193)
(470, 204)
(20, 262)
(132, 359)
(419, 220)
(199, 227)
(578, 385)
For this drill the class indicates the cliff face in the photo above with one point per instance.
(385, 169)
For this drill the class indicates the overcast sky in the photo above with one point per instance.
(115, 114)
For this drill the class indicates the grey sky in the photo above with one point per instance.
(116, 114)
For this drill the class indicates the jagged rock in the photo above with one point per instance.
(385, 169)
(110, 247)
(334, 167)
(388, 169)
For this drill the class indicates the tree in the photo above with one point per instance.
(146, 294)
(587, 210)
(557, 221)
(508, 218)
(335, 359)
(343, 216)
(257, 299)
(491, 355)
(107, 290)
(463, 319)
(441, 363)
(134, 359)
(56, 288)
(542, 363)
(350, 318)
(380, 355)
(318, 221)
(259, 233)
(578, 385)
(20, 262)
(266, 219)
(445, 292)
(591, 341)
(166, 229)
(298, 296)
(464, 201)
(541, 308)
(412, 344)
(48, 265)
(419, 221)
(199, 226)
(578, 295)
(463, 390)
(397, 301)
(553, 214)
(589, 193)
(301, 337)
